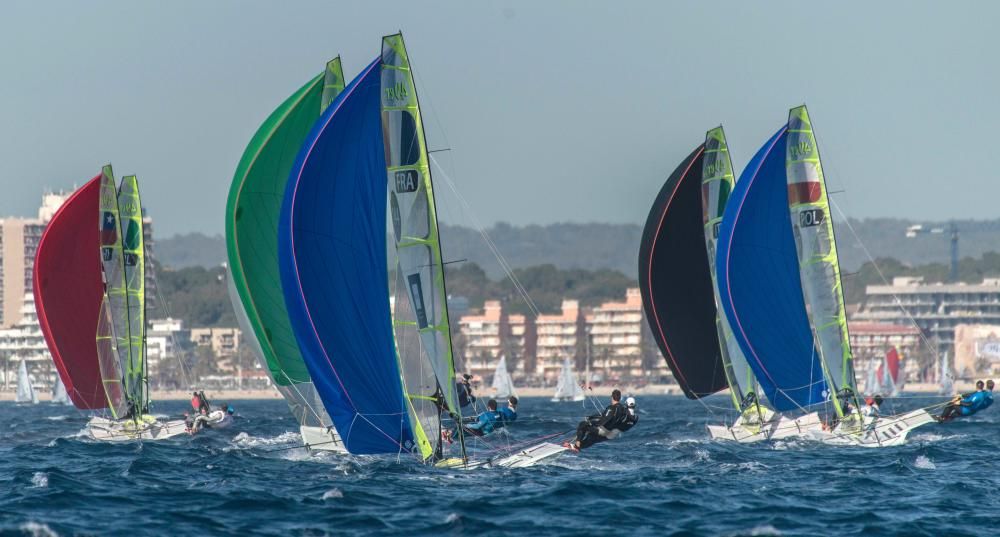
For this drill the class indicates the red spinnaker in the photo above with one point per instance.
(68, 290)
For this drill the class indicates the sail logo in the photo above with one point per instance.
(396, 92)
(715, 168)
(811, 217)
(128, 207)
(417, 297)
(800, 150)
(406, 181)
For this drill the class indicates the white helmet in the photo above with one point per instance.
(630, 402)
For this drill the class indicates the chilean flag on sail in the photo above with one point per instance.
(109, 229)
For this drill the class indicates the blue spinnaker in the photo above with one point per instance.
(332, 255)
(760, 287)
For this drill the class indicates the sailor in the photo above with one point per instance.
(199, 401)
(988, 395)
(600, 427)
(464, 389)
(482, 425)
(508, 414)
(633, 416)
(872, 407)
(966, 405)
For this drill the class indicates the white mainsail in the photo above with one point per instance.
(567, 389)
(503, 384)
(945, 379)
(25, 391)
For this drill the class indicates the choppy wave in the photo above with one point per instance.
(663, 477)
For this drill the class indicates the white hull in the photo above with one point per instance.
(127, 430)
(774, 429)
(886, 431)
(322, 439)
(546, 451)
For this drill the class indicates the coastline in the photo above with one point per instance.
(598, 391)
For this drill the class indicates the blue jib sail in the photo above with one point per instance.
(759, 283)
(332, 253)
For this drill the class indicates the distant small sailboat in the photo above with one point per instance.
(503, 384)
(567, 388)
(59, 395)
(25, 391)
(946, 381)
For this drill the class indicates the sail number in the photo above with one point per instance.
(396, 92)
(811, 217)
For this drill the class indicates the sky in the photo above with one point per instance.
(552, 111)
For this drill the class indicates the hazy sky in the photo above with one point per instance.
(554, 111)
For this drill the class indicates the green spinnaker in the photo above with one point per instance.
(423, 335)
(819, 265)
(133, 258)
(252, 212)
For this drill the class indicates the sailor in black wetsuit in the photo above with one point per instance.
(464, 389)
(601, 427)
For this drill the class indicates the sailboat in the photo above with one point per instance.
(25, 391)
(503, 384)
(681, 299)
(95, 326)
(567, 387)
(385, 377)
(946, 380)
(252, 211)
(780, 287)
(59, 395)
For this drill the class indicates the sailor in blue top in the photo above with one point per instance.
(481, 425)
(968, 404)
(509, 414)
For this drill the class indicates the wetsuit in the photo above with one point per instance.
(465, 397)
(599, 428)
(969, 405)
(507, 415)
(631, 418)
(987, 400)
(484, 425)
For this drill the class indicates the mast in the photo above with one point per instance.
(819, 266)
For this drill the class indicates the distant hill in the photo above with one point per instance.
(190, 250)
(597, 246)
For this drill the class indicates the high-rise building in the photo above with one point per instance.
(617, 334)
(493, 333)
(559, 336)
(19, 239)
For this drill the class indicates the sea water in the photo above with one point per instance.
(662, 478)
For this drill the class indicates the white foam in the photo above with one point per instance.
(63, 417)
(451, 518)
(702, 455)
(245, 441)
(332, 494)
(35, 529)
(924, 463)
(39, 480)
